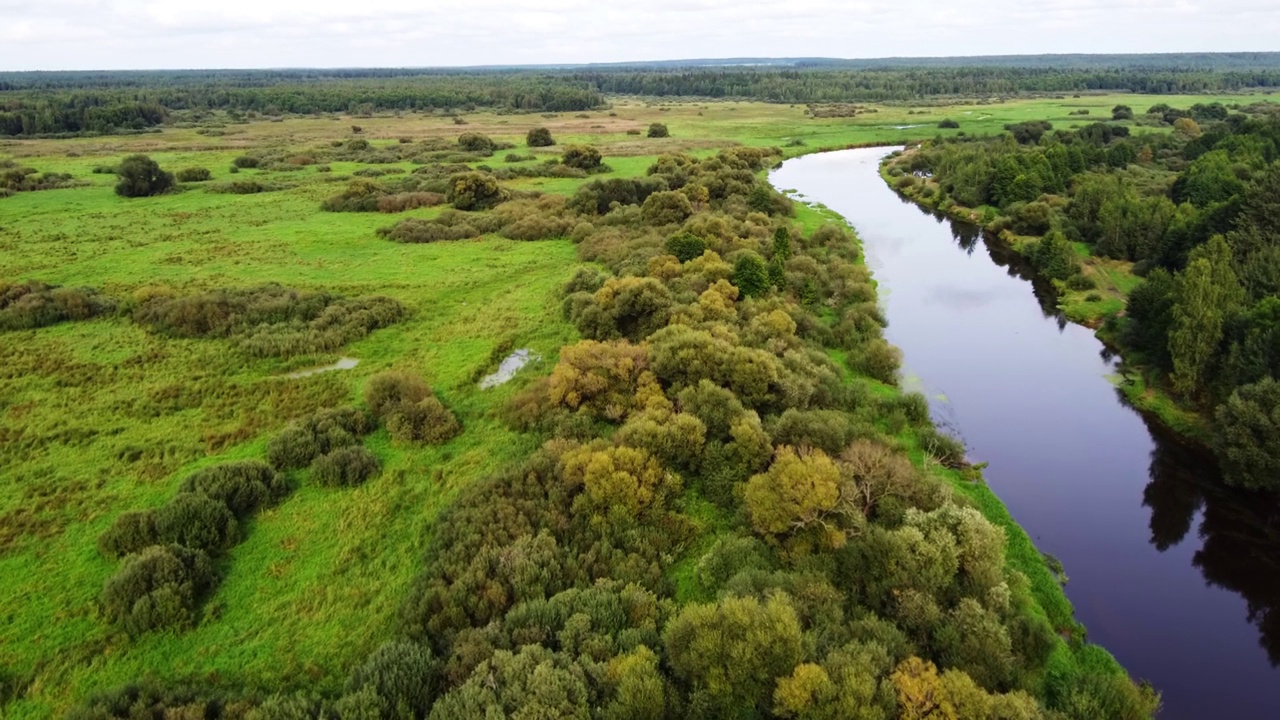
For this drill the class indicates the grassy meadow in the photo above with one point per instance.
(99, 417)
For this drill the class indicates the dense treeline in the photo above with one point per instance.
(905, 84)
(722, 521)
(36, 105)
(1195, 209)
(105, 102)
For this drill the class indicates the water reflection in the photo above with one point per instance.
(1239, 531)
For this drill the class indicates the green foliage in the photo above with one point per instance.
(33, 304)
(244, 486)
(658, 130)
(318, 434)
(269, 320)
(539, 137)
(140, 176)
(948, 124)
(1248, 436)
(411, 412)
(195, 174)
(345, 467)
(666, 208)
(1054, 256)
(751, 274)
(582, 157)
(732, 652)
(401, 678)
(474, 191)
(160, 587)
(476, 143)
(686, 246)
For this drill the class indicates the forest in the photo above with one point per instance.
(1191, 212)
(69, 103)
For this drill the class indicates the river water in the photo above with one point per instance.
(1177, 577)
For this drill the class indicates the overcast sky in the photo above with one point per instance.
(116, 34)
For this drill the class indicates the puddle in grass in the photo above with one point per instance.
(342, 364)
(509, 367)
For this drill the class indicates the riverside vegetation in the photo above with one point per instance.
(1160, 229)
(713, 500)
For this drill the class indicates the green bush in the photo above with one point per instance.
(245, 486)
(160, 587)
(474, 191)
(29, 305)
(666, 208)
(388, 391)
(686, 246)
(321, 433)
(476, 143)
(194, 175)
(196, 522)
(948, 124)
(131, 532)
(403, 677)
(140, 176)
(582, 157)
(751, 274)
(659, 130)
(1248, 437)
(245, 161)
(345, 467)
(539, 137)
(426, 421)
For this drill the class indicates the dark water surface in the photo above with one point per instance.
(1177, 577)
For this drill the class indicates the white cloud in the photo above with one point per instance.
(112, 34)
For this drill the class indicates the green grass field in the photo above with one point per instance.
(100, 417)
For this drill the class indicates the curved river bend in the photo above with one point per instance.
(1178, 578)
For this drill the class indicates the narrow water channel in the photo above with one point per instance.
(1177, 577)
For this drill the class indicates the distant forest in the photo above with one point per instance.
(56, 103)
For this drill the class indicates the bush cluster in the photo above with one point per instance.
(33, 304)
(167, 551)
(270, 320)
(409, 409)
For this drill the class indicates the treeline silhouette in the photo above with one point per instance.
(51, 103)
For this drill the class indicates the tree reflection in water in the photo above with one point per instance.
(1239, 531)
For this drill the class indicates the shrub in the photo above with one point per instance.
(345, 467)
(244, 161)
(426, 421)
(878, 359)
(476, 143)
(400, 202)
(24, 306)
(658, 130)
(948, 124)
(245, 486)
(321, 433)
(194, 175)
(196, 522)
(666, 208)
(686, 246)
(387, 391)
(403, 677)
(475, 191)
(159, 587)
(140, 176)
(131, 532)
(582, 157)
(751, 274)
(539, 137)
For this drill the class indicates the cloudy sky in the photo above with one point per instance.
(116, 34)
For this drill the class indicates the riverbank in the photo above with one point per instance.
(1097, 308)
(1072, 653)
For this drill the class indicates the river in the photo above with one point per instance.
(1177, 577)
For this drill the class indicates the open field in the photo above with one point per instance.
(100, 417)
